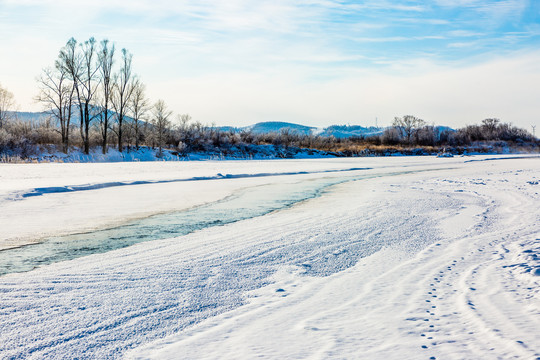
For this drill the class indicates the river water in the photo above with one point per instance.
(246, 203)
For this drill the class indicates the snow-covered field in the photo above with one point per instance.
(390, 258)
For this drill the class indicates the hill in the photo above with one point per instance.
(278, 126)
(338, 131)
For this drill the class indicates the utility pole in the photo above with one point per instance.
(376, 122)
(534, 130)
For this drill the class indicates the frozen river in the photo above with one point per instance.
(243, 204)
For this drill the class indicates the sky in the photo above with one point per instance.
(312, 62)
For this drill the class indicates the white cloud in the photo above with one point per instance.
(504, 88)
(310, 61)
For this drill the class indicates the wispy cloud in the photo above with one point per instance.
(263, 46)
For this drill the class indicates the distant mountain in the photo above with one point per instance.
(338, 131)
(37, 117)
(277, 126)
(440, 129)
(272, 127)
(29, 116)
(346, 131)
(228, 129)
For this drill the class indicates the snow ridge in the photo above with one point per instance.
(72, 188)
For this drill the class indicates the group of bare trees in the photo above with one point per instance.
(412, 131)
(88, 82)
(408, 126)
(491, 129)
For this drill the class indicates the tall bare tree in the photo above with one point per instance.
(69, 62)
(79, 61)
(161, 123)
(6, 105)
(139, 106)
(89, 82)
(105, 61)
(123, 89)
(408, 125)
(56, 93)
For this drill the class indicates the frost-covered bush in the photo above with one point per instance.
(391, 136)
(5, 139)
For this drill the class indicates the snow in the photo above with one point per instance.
(419, 257)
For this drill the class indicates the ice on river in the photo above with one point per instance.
(335, 258)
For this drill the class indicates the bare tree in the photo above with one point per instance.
(123, 89)
(6, 105)
(161, 123)
(139, 106)
(69, 62)
(408, 125)
(56, 92)
(79, 61)
(490, 126)
(105, 61)
(89, 82)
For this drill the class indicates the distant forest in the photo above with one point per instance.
(93, 98)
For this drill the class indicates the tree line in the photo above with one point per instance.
(91, 83)
(92, 89)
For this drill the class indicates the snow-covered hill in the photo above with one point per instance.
(30, 117)
(277, 126)
(338, 131)
(346, 131)
(40, 116)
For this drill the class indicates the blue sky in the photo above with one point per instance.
(315, 62)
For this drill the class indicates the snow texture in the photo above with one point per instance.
(428, 258)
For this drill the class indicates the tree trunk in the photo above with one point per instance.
(120, 147)
(136, 134)
(105, 126)
(82, 122)
(86, 129)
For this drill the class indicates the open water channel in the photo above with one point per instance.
(247, 203)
